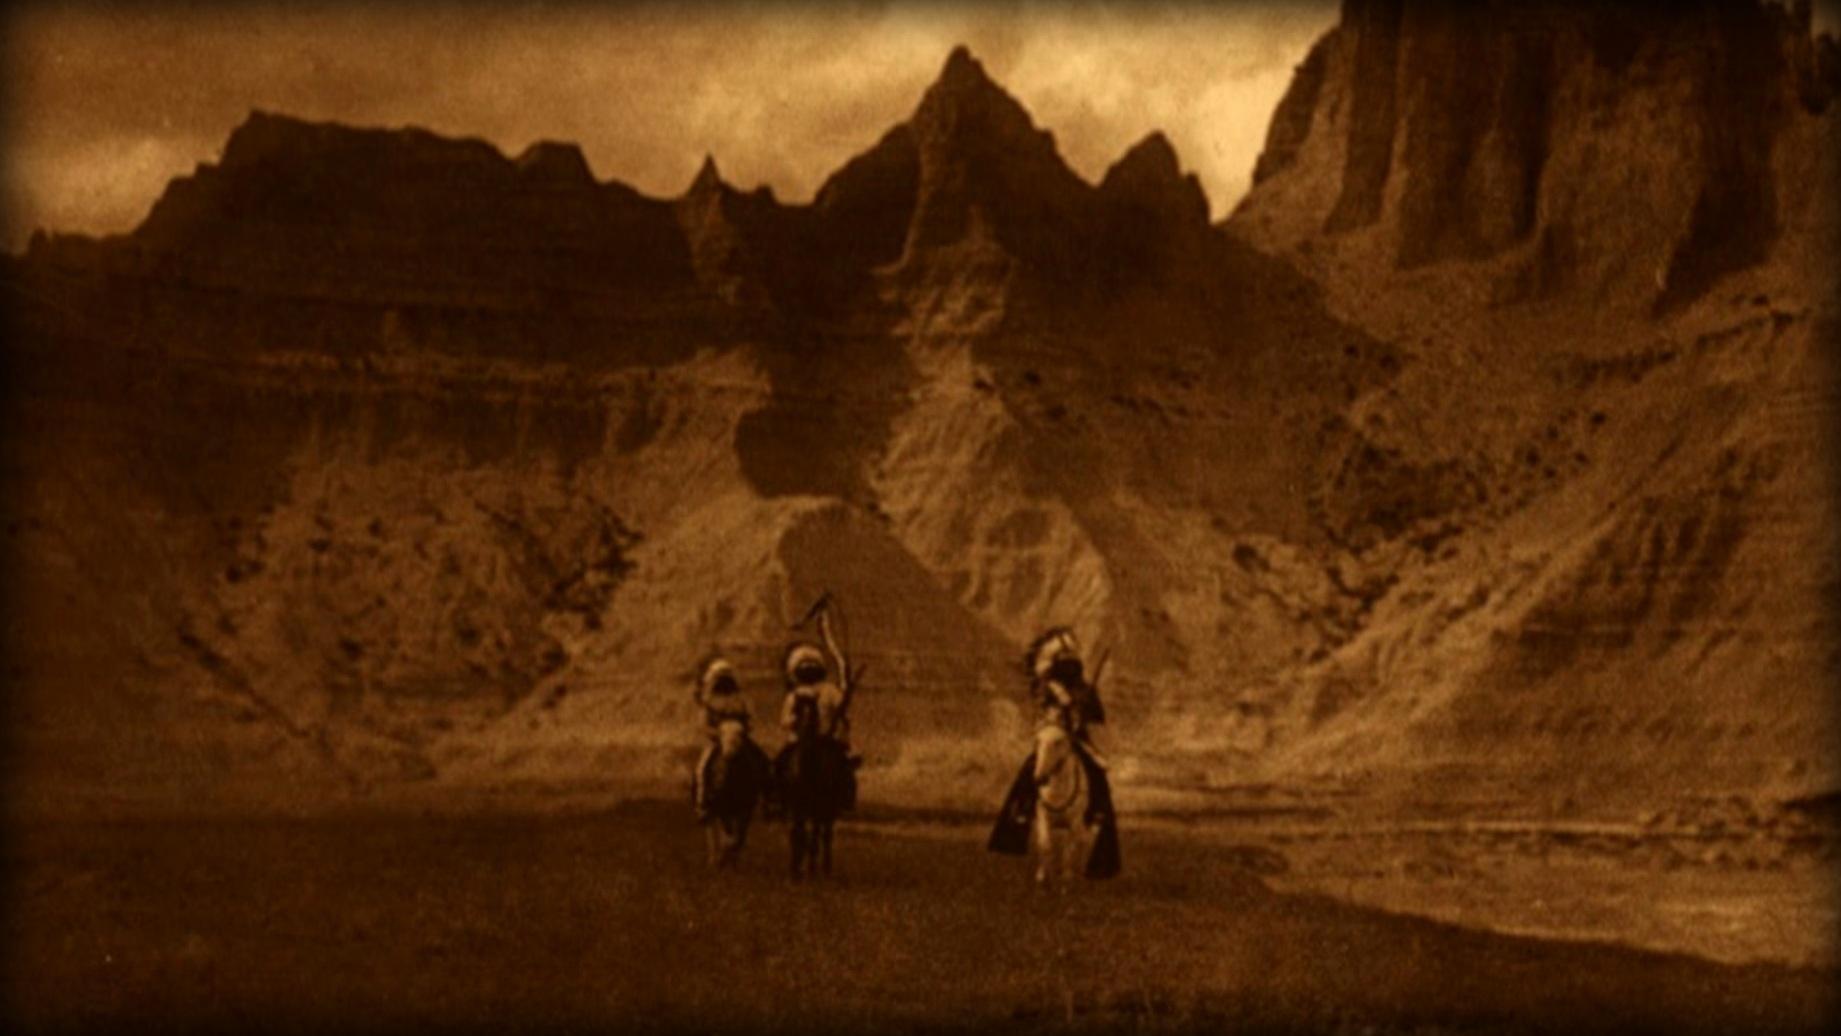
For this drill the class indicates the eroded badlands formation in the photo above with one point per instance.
(1483, 452)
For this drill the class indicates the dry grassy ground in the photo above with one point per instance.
(1710, 900)
(608, 921)
(1730, 880)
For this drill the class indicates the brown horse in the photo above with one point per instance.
(813, 784)
(738, 777)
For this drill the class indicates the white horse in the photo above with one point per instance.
(1060, 836)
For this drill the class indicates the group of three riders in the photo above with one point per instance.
(817, 699)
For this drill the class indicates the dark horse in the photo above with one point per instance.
(738, 777)
(814, 782)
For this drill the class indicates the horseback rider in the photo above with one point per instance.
(1064, 696)
(1058, 678)
(817, 702)
(814, 702)
(721, 699)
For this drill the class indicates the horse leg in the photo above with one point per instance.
(1042, 839)
(824, 840)
(712, 839)
(725, 841)
(741, 838)
(796, 837)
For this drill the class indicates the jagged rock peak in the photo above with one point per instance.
(962, 71)
(1155, 155)
(710, 191)
(1147, 167)
(708, 177)
(965, 101)
(981, 157)
(1149, 175)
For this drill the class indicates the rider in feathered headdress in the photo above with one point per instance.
(1061, 688)
(819, 685)
(1059, 678)
(809, 686)
(720, 697)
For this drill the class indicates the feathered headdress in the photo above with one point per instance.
(803, 654)
(1059, 642)
(713, 671)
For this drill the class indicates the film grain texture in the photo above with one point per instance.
(1278, 518)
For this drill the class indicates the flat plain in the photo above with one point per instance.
(608, 920)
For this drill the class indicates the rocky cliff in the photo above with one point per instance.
(380, 464)
(1625, 157)
(1596, 237)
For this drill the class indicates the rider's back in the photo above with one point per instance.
(816, 708)
(719, 707)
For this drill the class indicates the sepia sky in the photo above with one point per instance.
(105, 102)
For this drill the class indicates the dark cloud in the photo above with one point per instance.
(109, 101)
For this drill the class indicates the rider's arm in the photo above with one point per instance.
(843, 664)
(845, 680)
(706, 710)
(1059, 694)
(1095, 708)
